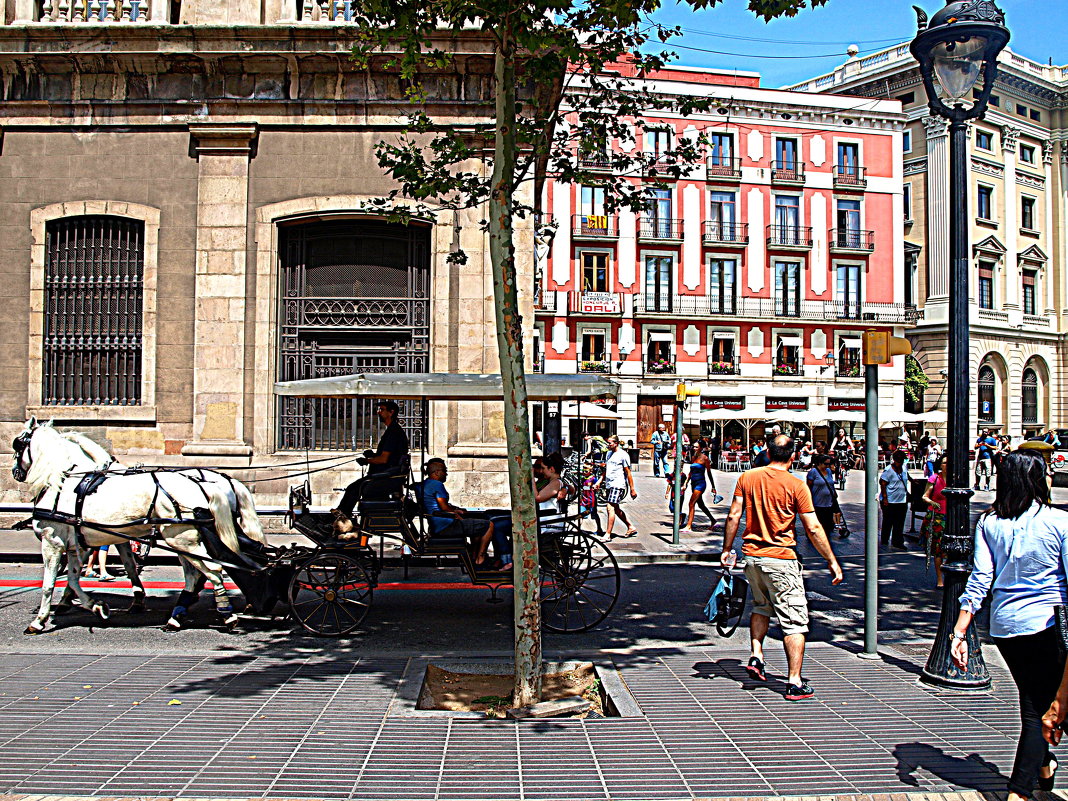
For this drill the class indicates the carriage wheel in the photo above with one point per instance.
(330, 594)
(579, 583)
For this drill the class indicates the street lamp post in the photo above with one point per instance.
(960, 44)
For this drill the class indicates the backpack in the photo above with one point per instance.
(727, 603)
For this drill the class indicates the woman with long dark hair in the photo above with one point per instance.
(934, 522)
(1021, 553)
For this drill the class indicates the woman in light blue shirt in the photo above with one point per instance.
(1021, 553)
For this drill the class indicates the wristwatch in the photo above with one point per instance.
(954, 636)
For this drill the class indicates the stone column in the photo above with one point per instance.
(223, 152)
(1055, 232)
(937, 130)
(1013, 281)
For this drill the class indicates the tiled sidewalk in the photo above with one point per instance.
(262, 727)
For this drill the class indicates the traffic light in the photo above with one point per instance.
(881, 348)
(682, 392)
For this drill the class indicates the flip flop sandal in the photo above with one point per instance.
(106, 578)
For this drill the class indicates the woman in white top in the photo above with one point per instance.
(552, 466)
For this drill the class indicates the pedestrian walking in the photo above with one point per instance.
(934, 522)
(661, 442)
(772, 498)
(617, 479)
(700, 480)
(894, 500)
(984, 459)
(820, 480)
(1021, 547)
(934, 450)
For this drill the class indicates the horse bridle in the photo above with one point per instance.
(19, 445)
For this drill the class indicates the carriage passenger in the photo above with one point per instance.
(453, 520)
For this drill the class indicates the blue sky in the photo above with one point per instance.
(1038, 32)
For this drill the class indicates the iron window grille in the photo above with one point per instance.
(94, 292)
(353, 298)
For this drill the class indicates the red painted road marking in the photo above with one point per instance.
(178, 585)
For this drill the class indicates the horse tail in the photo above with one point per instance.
(246, 509)
(223, 513)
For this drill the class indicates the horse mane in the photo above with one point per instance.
(91, 449)
(53, 459)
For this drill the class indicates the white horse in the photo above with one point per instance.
(125, 505)
(238, 495)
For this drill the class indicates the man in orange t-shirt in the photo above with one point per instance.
(772, 499)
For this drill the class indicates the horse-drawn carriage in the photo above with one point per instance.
(328, 585)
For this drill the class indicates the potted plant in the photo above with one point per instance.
(594, 366)
(721, 368)
(852, 371)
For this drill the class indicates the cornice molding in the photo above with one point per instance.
(223, 139)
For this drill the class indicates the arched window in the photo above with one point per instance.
(986, 395)
(354, 298)
(1030, 397)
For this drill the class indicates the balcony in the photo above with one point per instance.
(594, 226)
(721, 169)
(602, 366)
(848, 371)
(698, 306)
(594, 304)
(853, 240)
(790, 237)
(849, 176)
(725, 233)
(1036, 320)
(720, 369)
(657, 229)
(788, 172)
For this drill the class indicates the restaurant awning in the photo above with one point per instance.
(661, 336)
(446, 386)
(790, 341)
(850, 342)
(590, 411)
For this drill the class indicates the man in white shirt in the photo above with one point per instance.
(894, 498)
(616, 479)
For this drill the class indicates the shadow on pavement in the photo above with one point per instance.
(971, 772)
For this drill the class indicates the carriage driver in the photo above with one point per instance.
(390, 456)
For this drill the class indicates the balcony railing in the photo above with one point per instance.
(594, 226)
(657, 229)
(789, 236)
(717, 368)
(544, 300)
(1037, 320)
(94, 11)
(787, 172)
(849, 371)
(601, 162)
(603, 304)
(594, 366)
(725, 233)
(767, 308)
(848, 176)
(852, 239)
(788, 369)
(659, 367)
(723, 168)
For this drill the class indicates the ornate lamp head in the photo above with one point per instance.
(959, 45)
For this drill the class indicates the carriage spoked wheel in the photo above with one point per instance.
(330, 594)
(579, 583)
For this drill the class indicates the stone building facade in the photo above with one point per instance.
(183, 192)
(1017, 190)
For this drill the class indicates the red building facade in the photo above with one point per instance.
(753, 276)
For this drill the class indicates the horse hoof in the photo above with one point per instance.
(231, 622)
(103, 610)
(172, 625)
(31, 629)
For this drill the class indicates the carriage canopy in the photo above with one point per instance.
(447, 386)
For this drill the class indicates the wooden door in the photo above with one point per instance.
(650, 415)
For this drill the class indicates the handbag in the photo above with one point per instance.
(1061, 615)
(727, 603)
